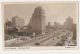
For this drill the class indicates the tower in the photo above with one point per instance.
(38, 20)
(69, 23)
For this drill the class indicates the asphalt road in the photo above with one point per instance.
(45, 40)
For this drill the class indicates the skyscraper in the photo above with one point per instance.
(69, 23)
(38, 20)
(18, 22)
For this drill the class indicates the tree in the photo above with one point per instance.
(7, 26)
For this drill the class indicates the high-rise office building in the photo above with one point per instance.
(18, 22)
(37, 21)
(69, 23)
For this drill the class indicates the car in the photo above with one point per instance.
(37, 43)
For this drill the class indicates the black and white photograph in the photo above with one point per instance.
(40, 24)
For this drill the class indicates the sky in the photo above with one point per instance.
(54, 11)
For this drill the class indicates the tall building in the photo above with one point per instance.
(48, 27)
(37, 22)
(69, 23)
(18, 22)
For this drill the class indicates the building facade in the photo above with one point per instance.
(69, 23)
(18, 22)
(37, 22)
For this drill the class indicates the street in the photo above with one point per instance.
(49, 39)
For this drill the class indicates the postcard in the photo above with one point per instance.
(40, 25)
